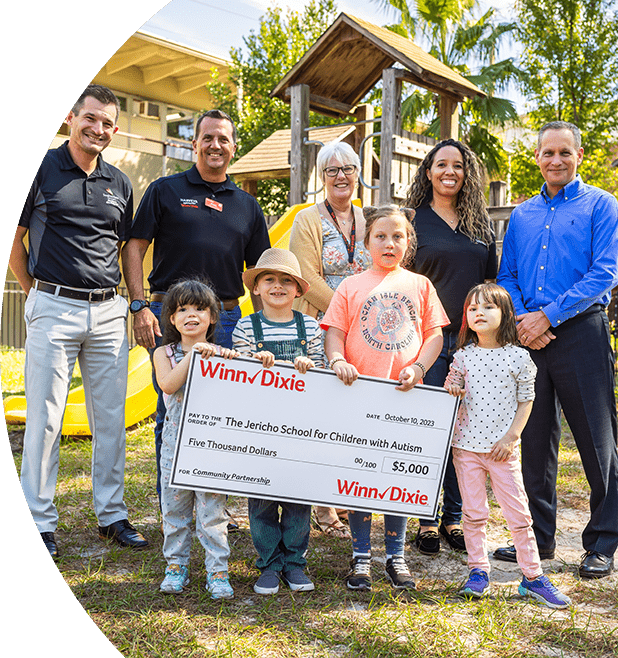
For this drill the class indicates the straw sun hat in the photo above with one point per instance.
(276, 260)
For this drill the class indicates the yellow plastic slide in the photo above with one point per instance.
(141, 396)
(279, 237)
(141, 399)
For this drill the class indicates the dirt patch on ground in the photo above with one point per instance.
(448, 566)
(451, 566)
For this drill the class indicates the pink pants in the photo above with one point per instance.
(507, 484)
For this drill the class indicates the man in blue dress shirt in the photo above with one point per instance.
(560, 263)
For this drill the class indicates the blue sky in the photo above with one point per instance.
(215, 28)
(191, 21)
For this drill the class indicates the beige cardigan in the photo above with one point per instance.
(306, 245)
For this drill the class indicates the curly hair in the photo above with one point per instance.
(373, 213)
(471, 207)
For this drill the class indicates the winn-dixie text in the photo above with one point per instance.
(264, 377)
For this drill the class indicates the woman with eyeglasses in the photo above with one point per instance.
(327, 238)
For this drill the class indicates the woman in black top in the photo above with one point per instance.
(456, 251)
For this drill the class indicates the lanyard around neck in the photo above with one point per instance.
(351, 245)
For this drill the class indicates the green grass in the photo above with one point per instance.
(119, 589)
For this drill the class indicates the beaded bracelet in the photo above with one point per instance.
(332, 362)
(422, 367)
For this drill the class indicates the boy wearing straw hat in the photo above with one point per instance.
(278, 332)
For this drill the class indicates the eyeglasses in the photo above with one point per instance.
(348, 170)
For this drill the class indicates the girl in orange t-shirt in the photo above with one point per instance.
(386, 322)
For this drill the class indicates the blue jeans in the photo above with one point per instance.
(223, 336)
(394, 532)
(281, 542)
(451, 499)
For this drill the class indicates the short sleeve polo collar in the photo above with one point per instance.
(67, 163)
(193, 176)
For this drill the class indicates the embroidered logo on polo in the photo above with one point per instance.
(112, 200)
(189, 203)
(388, 321)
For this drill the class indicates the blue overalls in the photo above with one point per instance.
(284, 350)
(280, 541)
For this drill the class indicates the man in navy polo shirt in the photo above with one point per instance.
(560, 263)
(78, 211)
(203, 226)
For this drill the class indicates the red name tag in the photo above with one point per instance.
(215, 205)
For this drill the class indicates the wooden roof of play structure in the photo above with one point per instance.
(270, 158)
(349, 58)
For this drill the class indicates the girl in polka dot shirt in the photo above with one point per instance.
(495, 379)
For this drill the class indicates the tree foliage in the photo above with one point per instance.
(570, 55)
(268, 54)
(451, 32)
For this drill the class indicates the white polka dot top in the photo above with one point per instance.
(495, 381)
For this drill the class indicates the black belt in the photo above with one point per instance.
(97, 295)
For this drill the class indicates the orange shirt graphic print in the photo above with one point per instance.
(388, 321)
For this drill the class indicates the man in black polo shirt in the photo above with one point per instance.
(202, 226)
(77, 213)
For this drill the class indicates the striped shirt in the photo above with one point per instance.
(245, 342)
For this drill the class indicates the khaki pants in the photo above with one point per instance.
(59, 331)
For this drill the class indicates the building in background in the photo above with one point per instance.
(162, 88)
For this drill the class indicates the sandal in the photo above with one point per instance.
(336, 529)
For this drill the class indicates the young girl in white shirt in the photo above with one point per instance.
(495, 379)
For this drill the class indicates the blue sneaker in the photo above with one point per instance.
(544, 591)
(267, 583)
(298, 580)
(477, 585)
(218, 584)
(176, 579)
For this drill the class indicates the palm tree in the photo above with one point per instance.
(449, 30)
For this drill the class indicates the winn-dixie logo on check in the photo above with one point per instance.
(355, 489)
(261, 378)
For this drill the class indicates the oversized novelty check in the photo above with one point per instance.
(281, 435)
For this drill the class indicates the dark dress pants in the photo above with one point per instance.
(575, 373)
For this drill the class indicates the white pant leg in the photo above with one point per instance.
(54, 335)
(103, 361)
(211, 529)
(177, 505)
